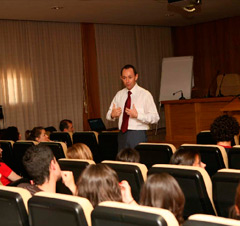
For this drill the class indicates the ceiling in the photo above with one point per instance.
(132, 12)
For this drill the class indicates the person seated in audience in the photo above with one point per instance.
(79, 151)
(7, 175)
(43, 168)
(100, 183)
(223, 130)
(187, 158)
(234, 211)
(66, 126)
(11, 133)
(128, 155)
(163, 191)
(49, 130)
(37, 134)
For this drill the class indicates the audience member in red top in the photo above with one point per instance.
(7, 175)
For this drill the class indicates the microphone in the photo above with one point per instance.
(220, 86)
(211, 84)
(182, 97)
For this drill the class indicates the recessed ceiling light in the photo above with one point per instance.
(57, 7)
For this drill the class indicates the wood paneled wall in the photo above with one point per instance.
(215, 47)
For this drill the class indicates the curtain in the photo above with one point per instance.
(141, 46)
(40, 73)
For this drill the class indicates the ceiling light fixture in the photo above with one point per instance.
(57, 7)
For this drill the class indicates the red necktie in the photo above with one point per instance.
(125, 115)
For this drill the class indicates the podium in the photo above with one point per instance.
(186, 118)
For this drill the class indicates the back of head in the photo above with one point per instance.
(235, 209)
(184, 157)
(79, 151)
(64, 124)
(128, 155)
(99, 183)
(224, 128)
(34, 133)
(11, 133)
(162, 191)
(36, 161)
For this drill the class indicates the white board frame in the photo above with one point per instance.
(177, 74)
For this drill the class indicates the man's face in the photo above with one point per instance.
(129, 78)
(70, 127)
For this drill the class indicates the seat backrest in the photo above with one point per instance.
(74, 165)
(108, 145)
(214, 156)
(13, 206)
(7, 154)
(57, 209)
(234, 157)
(59, 149)
(205, 137)
(225, 183)
(63, 137)
(155, 153)
(208, 220)
(195, 184)
(90, 138)
(120, 214)
(19, 149)
(134, 173)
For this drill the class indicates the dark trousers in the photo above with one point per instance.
(131, 138)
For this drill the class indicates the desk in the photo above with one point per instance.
(186, 118)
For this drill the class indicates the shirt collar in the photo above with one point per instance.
(134, 89)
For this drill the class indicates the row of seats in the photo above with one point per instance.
(20, 209)
(13, 153)
(214, 156)
(202, 194)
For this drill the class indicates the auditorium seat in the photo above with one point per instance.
(205, 137)
(90, 138)
(225, 182)
(214, 156)
(209, 220)
(7, 154)
(50, 209)
(65, 137)
(74, 165)
(108, 145)
(134, 173)
(195, 184)
(13, 206)
(155, 153)
(111, 213)
(234, 157)
(59, 149)
(19, 149)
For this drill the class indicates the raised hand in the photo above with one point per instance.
(132, 112)
(116, 112)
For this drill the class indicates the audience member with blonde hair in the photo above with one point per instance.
(79, 151)
(100, 183)
(162, 191)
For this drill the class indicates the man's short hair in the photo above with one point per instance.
(64, 124)
(127, 66)
(37, 160)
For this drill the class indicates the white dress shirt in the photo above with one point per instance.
(144, 104)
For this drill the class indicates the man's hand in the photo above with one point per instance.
(132, 112)
(116, 112)
(68, 180)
